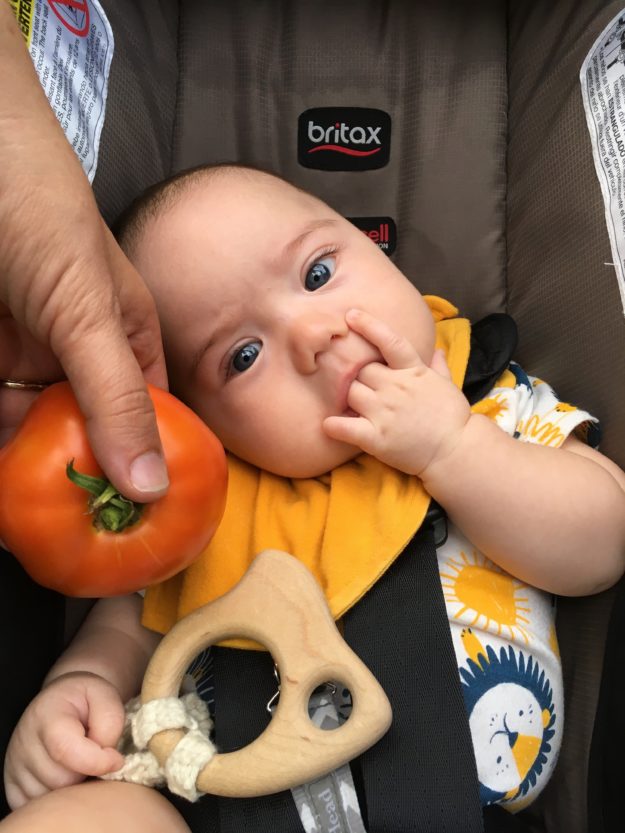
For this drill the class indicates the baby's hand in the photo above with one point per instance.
(68, 732)
(410, 415)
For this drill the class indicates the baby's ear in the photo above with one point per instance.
(439, 364)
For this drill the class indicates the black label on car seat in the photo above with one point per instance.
(344, 138)
(382, 230)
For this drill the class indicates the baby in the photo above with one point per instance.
(311, 356)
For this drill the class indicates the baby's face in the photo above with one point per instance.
(252, 279)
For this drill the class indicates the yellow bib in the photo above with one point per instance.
(347, 526)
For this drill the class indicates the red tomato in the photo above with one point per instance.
(45, 519)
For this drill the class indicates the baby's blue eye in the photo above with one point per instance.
(245, 357)
(319, 274)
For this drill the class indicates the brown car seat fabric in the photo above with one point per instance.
(489, 186)
(436, 69)
(136, 141)
(248, 71)
(561, 286)
(566, 303)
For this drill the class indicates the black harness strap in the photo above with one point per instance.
(421, 776)
(244, 684)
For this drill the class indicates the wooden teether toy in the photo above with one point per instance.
(279, 604)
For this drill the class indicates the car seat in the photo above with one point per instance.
(488, 196)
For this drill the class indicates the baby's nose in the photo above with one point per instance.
(310, 336)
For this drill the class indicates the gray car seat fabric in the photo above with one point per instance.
(561, 292)
(248, 70)
(490, 183)
(410, 61)
(136, 141)
(566, 303)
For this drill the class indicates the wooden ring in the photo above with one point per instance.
(308, 650)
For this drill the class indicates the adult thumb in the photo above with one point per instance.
(112, 394)
(121, 426)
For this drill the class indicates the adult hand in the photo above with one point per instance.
(70, 302)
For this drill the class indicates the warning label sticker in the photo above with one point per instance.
(602, 78)
(24, 13)
(71, 44)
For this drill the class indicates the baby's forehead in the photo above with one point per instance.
(251, 215)
(237, 190)
(243, 212)
(237, 181)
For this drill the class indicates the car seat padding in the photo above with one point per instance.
(135, 146)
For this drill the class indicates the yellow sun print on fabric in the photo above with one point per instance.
(485, 597)
(491, 406)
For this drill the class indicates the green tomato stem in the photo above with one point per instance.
(112, 512)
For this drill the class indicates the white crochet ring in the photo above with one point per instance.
(188, 758)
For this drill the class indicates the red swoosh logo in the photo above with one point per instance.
(348, 151)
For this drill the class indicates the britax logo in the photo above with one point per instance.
(344, 134)
(344, 138)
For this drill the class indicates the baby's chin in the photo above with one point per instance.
(315, 463)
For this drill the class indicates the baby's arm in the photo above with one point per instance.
(70, 729)
(554, 518)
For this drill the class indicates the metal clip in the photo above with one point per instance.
(272, 703)
(325, 688)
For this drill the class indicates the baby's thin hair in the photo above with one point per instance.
(163, 195)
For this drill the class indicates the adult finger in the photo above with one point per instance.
(397, 351)
(141, 462)
(120, 420)
(13, 407)
(91, 338)
(56, 277)
(139, 315)
(101, 323)
(117, 319)
(105, 332)
(22, 358)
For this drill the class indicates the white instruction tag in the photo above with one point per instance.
(71, 44)
(602, 78)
